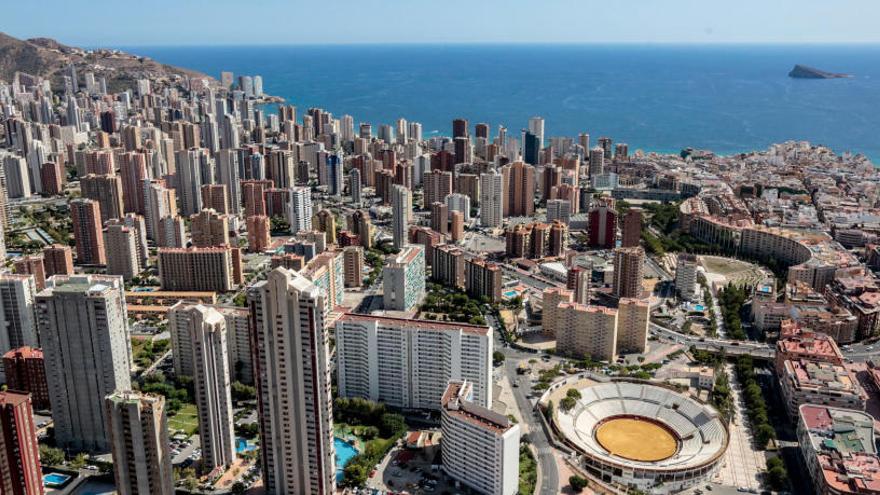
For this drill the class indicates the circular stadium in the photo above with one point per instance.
(644, 436)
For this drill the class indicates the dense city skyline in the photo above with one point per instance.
(208, 288)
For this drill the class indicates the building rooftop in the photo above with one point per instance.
(843, 440)
(414, 324)
(456, 403)
(805, 343)
(821, 376)
(25, 352)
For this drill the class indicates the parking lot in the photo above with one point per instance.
(411, 470)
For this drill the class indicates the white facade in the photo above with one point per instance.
(300, 209)
(491, 199)
(459, 202)
(293, 385)
(17, 318)
(205, 329)
(401, 204)
(403, 279)
(559, 209)
(407, 363)
(480, 448)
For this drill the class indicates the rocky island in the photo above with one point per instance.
(805, 72)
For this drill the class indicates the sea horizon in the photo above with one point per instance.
(728, 98)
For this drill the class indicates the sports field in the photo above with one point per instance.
(636, 439)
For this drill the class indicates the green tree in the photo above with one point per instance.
(573, 393)
(242, 392)
(497, 358)
(777, 476)
(50, 456)
(577, 483)
(238, 488)
(392, 424)
(567, 403)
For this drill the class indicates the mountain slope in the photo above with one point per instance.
(49, 59)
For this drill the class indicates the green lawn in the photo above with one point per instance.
(186, 419)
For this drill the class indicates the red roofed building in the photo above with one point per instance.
(796, 343)
(25, 372)
(20, 472)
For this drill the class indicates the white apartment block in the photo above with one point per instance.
(403, 279)
(204, 330)
(480, 448)
(491, 197)
(407, 363)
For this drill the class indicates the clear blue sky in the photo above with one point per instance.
(213, 22)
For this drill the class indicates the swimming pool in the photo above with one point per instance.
(242, 445)
(699, 307)
(55, 480)
(344, 452)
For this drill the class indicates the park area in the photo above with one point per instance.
(186, 419)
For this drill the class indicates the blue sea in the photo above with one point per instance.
(727, 98)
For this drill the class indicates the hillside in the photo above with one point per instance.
(49, 59)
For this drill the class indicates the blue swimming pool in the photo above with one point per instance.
(344, 452)
(699, 307)
(242, 445)
(55, 480)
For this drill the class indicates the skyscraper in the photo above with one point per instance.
(438, 185)
(536, 128)
(480, 447)
(258, 233)
(519, 190)
(439, 217)
(20, 472)
(122, 252)
(459, 128)
(603, 225)
(138, 433)
(293, 385)
(355, 186)
(632, 228)
(58, 260)
(25, 372)
(159, 202)
(628, 272)
(300, 209)
(84, 333)
(107, 191)
(531, 148)
(17, 314)
(686, 276)
(87, 232)
(491, 199)
(204, 329)
(403, 279)
(210, 229)
(633, 316)
(401, 204)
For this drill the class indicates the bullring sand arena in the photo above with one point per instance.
(643, 435)
(636, 439)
